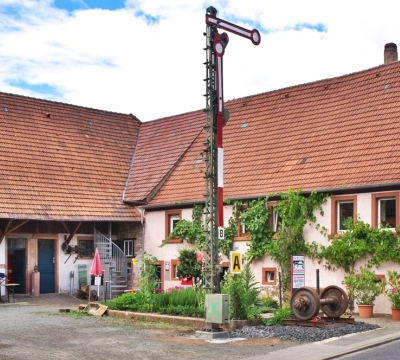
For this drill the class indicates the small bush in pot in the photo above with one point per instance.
(392, 289)
(364, 287)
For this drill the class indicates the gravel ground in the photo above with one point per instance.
(301, 333)
(33, 328)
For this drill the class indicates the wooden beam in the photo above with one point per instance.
(18, 226)
(65, 226)
(71, 235)
(3, 233)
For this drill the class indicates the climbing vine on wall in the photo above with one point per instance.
(295, 210)
(361, 242)
(193, 232)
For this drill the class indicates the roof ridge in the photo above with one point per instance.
(307, 84)
(26, 97)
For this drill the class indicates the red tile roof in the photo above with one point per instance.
(63, 162)
(161, 145)
(330, 134)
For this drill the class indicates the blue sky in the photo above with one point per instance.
(145, 57)
(71, 5)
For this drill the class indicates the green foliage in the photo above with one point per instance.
(279, 316)
(364, 287)
(225, 245)
(193, 232)
(268, 301)
(148, 273)
(392, 290)
(138, 301)
(177, 301)
(361, 241)
(189, 265)
(243, 294)
(255, 219)
(294, 210)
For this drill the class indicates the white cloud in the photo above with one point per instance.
(125, 61)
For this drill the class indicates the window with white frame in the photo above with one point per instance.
(387, 212)
(241, 228)
(345, 210)
(128, 247)
(269, 276)
(276, 220)
(172, 218)
(384, 209)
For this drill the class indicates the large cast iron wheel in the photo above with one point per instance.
(305, 303)
(339, 301)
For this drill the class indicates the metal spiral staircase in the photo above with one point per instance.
(114, 262)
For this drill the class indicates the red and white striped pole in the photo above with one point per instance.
(220, 42)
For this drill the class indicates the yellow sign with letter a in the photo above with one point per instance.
(235, 262)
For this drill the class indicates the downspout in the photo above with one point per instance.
(143, 228)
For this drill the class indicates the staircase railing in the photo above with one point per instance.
(111, 254)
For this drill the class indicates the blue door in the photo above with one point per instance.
(46, 264)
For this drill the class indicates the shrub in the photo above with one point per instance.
(279, 316)
(243, 294)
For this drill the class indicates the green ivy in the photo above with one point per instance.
(149, 280)
(193, 232)
(295, 210)
(361, 241)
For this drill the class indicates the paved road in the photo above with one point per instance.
(389, 351)
(37, 330)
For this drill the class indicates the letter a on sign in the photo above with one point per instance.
(236, 262)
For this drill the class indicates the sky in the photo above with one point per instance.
(145, 57)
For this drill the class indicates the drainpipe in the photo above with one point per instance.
(143, 228)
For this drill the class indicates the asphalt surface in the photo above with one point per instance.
(34, 328)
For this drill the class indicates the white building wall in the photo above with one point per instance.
(68, 284)
(155, 233)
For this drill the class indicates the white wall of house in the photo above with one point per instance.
(155, 233)
(66, 283)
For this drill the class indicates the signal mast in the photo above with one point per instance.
(216, 117)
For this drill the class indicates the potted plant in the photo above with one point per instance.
(392, 291)
(364, 287)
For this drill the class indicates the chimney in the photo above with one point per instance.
(390, 53)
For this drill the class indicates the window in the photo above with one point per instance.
(86, 247)
(241, 228)
(342, 208)
(269, 276)
(345, 210)
(174, 269)
(384, 209)
(128, 247)
(171, 219)
(276, 219)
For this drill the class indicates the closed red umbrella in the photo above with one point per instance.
(96, 269)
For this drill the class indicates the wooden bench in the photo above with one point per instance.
(9, 287)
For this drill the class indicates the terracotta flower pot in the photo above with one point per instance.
(365, 311)
(395, 314)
